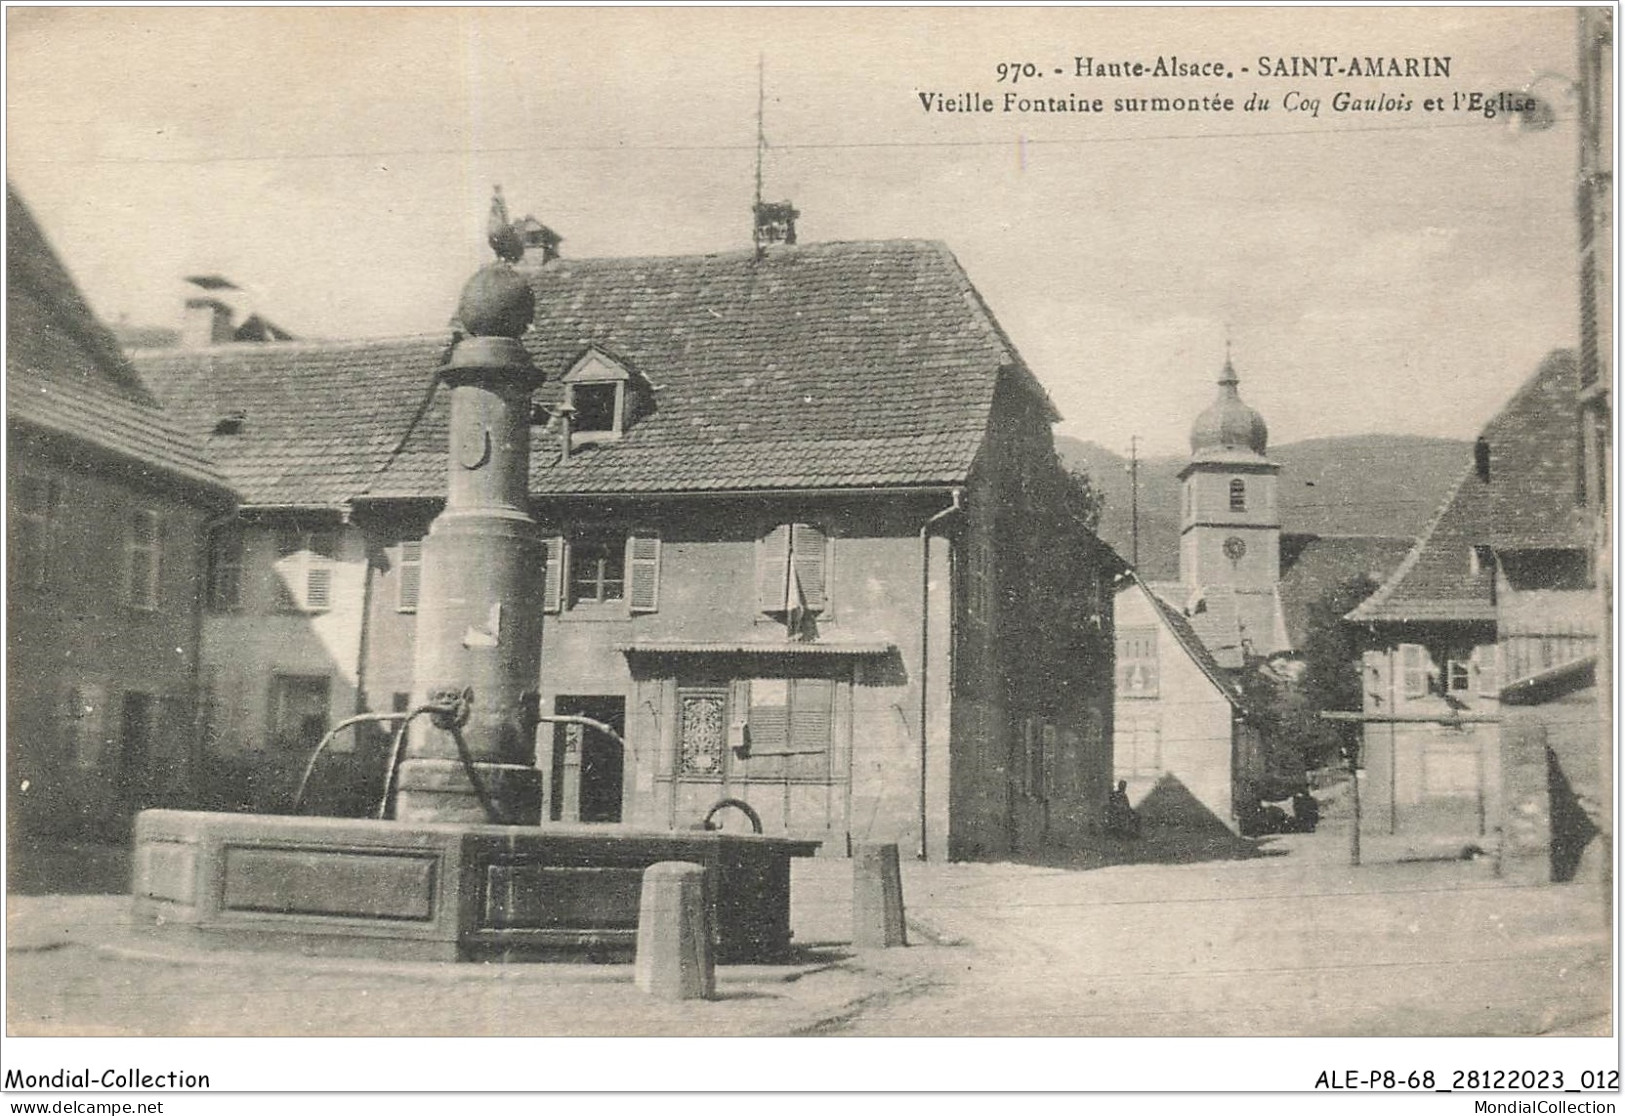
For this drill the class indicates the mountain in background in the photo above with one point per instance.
(1363, 484)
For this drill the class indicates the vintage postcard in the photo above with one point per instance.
(635, 525)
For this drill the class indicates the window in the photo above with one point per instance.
(604, 567)
(1137, 662)
(35, 529)
(1458, 676)
(597, 569)
(225, 569)
(142, 555)
(1238, 494)
(701, 733)
(298, 712)
(596, 387)
(596, 408)
(792, 571)
(1415, 668)
(304, 569)
(411, 576)
(790, 723)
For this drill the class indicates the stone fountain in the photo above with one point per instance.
(465, 868)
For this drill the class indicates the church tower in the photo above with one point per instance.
(1230, 529)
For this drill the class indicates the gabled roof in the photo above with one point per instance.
(1534, 463)
(67, 379)
(831, 365)
(827, 365)
(1313, 566)
(1176, 622)
(51, 332)
(1531, 481)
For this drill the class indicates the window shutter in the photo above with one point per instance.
(553, 578)
(319, 586)
(643, 558)
(809, 547)
(812, 722)
(411, 576)
(772, 558)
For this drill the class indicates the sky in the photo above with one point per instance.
(1398, 271)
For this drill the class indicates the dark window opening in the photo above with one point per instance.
(595, 407)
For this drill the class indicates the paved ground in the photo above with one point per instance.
(1277, 937)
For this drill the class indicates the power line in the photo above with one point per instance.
(709, 148)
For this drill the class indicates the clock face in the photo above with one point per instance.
(1234, 548)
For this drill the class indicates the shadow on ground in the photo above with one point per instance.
(42, 864)
(1175, 828)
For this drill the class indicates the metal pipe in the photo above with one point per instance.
(958, 505)
(310, 765)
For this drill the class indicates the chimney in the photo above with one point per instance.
(207, 319)
(775, 222)
(207, 322)
(535, 235)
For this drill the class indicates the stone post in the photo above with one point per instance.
(877, 897)
(674, 960)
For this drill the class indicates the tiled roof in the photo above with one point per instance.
(1192, 643)
(94, 416)
(1534, 461)
(826, 365)
(1316, 565)
(50, 331)
(317, 418)
(851, 364)
(1234, 622)
(66, 377)
(1532, 452)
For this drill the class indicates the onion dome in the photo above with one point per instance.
(1229, 424)
(496, 302)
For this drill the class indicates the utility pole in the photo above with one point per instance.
(761, 146)
(1134, 499)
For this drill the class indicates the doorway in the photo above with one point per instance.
(588, 767)
(135, 751)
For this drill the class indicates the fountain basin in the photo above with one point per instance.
(442, 890)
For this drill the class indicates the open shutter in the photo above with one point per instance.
(411, 576)
(553, 578)
(643, 560)
(772, 561)
(810, 551)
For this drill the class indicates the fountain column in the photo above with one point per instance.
(479, 627)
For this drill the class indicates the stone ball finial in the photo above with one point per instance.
(496, 302)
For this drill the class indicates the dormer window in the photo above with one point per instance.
(596, 386)
(596, 407)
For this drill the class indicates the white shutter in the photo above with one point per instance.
(411, 578)
(809, 551)
(772, 569)
(553, 578)
(643, 572)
